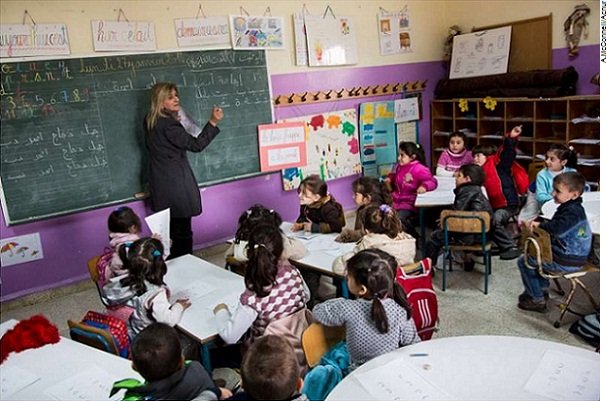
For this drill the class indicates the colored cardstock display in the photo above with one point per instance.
(123, 35)
(33, 40)
(209, 33)
(332, 147)
(256, 32)
(377, 136)
(282, 145)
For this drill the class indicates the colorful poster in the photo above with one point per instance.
(33, 40)
(123, 35)
(250, 32)
(332, 148)
(282, 145)
(331, 41)
(209, 33)
(394, 33)
(21, 249)
(377, 137)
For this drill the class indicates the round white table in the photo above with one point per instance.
(476, 368)
(592, 205)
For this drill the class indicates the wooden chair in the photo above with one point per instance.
(317, 339)
(537, 244)
(92, 266)
(463, 222)
(93, 337)
(235, 266)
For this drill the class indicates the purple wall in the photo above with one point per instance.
(587, 64)
(69, 241)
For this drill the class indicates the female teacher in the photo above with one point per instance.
(172, 182)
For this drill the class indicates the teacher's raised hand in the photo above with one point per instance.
(216, 116)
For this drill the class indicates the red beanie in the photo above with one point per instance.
(30, 333)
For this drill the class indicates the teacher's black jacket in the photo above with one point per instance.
(172, 181)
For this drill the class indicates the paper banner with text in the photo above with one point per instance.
(33, 40)
(282, 145)
(123, 35)
(209, 33)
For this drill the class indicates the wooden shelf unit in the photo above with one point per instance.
(544, 121)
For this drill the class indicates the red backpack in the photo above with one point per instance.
(420, 294)
(102, 265)
(115, 326)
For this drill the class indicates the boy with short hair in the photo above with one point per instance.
(270, 371)
(156, 355)
(570, 238)
(469, 196)
(506, 180)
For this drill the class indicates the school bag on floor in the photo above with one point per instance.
(416, 280)
(588, 329)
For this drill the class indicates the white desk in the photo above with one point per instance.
(474, 368)
(591, 201)
(442, 196)
(55, 364)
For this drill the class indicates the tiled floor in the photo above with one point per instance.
(463, 308)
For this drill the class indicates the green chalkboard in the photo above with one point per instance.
(72, 129)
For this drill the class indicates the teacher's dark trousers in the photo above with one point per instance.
(182, 237)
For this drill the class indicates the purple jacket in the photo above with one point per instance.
(405, 181)
(453, 161)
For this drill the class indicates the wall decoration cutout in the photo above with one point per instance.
(332, 146)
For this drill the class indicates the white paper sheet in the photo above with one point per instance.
(160, 223)
(560, 376)
(15, 379)
(396, 380)
(196, 289)
(92, 384)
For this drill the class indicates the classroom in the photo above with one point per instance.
(271, 87)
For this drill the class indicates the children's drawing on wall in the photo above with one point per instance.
(480, 53)
(331, 40)
(249, 32)
(405, 41)
(21, 249)
(332, 148)
(394, 33)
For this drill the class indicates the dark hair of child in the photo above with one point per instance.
(263, 251)
(156, 352)
(457, 134)
(474, 172)
(381, 219)
(375, 190)
(253, 217)
(572, 180)
(122, 219)
(563, 152)
(314, 184)
(414, 150)
(269, 369)
(376, 269)
(144, 262)
(487, 150)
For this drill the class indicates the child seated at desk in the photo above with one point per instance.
(570, 238)
(270, 372)
(319, 211)
(379, 320)
(383, 230)
(366, 191)
(468, 197)
(455, 156)
(124, 227)
(253, 217)
(156, 355)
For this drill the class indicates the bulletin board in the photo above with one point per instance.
(332, 147)
(480, 53)
(331, 40)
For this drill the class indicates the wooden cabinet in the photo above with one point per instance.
(567, 120)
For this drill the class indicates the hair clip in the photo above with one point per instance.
(249, 211)
(417, 145)
(376, 295)
(156, 253)
(271, 211)
(571, 148)
(385, 209)
(259, 245)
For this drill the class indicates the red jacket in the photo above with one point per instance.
(493, 181)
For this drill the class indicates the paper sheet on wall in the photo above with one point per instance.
(92, 384)
(331, 40)
(160, 223)
(396, 380)
(394, 33)
(14, 379)
(481, 53)
(20, 249)
(301, 44)
(378, 145)
(560, 376)
(406, 109)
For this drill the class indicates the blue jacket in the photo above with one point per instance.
(570, 234)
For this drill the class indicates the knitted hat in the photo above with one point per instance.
(29, 333)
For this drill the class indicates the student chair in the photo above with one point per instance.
(464, 222)
(317, 339)
(235, 266)
(94, 273)
(122, 312)
(93, 337)
(536, 243)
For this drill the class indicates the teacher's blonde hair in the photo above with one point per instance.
(160, 92)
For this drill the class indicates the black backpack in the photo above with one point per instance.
(588, 329)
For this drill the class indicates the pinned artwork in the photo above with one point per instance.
(255, 32)
(332, 148)
(21, 249)
(331, 41)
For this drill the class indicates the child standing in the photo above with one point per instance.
(468, 197)
(319, 211)
(453, 157)
(253, 217)
(366, 191)
(379, 320)
(383, 230)
(156, 355)
(145, 281)
(124, 226)
(505, 181)
(570, 237)
(274, 289)
(409, 177)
